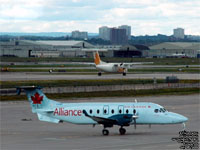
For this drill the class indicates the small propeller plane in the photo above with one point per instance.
(106, 114)
(113, 67)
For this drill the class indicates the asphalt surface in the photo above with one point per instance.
(17, 76)
(17, 134)
(93, 66)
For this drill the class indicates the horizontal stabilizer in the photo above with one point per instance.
(46, 118)
(44, 111)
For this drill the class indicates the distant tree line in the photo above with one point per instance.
(140, 40)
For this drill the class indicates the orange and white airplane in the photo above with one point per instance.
(113, 67)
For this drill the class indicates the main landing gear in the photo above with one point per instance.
(124, 73)
(105, 132)
(122, 131)
(99, 73)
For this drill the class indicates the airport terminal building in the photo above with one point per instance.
(175, 49)
(26, 48)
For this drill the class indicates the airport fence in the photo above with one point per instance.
(76, 89)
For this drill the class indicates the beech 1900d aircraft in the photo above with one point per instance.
(106, 114)
(113, 67)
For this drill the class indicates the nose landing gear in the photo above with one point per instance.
(183, 126)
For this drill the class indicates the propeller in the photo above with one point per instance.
(134, 117)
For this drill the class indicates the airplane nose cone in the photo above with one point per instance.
(177, 118)
(181, 119)
(184, 119)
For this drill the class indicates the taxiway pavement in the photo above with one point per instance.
(18, 76)
(32, 134)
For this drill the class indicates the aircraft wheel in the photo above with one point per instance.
(122, 131)
(105, 132)
(99, 73)
(124, 73)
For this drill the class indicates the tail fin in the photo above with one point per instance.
(36, 97)
(97, 59)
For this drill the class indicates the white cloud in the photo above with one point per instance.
(145, 16)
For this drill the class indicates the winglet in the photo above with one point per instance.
(97, 59)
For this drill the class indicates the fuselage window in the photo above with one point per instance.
(120, 111)
(98, 111)
(127, 111)
(105, 111)
(156, 110)
(112, 111)
(90, 111)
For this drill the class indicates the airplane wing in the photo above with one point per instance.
(44, 111)
(100, 120)
(122, 119)
(83, 63)
(129, 65)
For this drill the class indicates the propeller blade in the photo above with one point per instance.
(149, 126)
(134, 123)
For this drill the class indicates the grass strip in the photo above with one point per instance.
(125, 93)
(48, 65)
(93, 82)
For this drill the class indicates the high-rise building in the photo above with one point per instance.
(104, 33)
(79, 35)
(118, 36)
(128, 30)
(179, 33)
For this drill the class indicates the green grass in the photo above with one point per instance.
(153, 70)
(47, 70)
(93, 82)
(126, 93)
(42, 66)
(60, 83)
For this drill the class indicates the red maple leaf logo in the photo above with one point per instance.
(37, 98)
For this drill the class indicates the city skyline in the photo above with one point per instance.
(146, 17)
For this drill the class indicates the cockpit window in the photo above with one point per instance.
(161, 110)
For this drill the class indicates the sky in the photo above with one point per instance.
(146, 17)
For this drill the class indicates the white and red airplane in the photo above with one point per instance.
(107, 114)
(113, 67)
